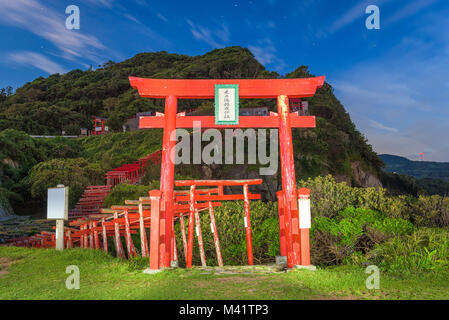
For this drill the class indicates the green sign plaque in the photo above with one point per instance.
(226, 104)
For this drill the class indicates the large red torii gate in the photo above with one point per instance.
(173, 89)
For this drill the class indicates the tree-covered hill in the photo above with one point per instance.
(66, 102)
(417, 169)
(415, 177)
(46, 106)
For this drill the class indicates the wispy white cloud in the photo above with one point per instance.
(132, 18)
(142, 3)
(33, 16)
(160, 16)
(103, 3)
(216, 38)
(379, 125)
(265, 53)
(409, 10)
(36, 60)
(353, 14)
(350, 16)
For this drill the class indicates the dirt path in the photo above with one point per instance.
(4, 264)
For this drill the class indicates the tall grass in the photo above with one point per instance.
(425, 249)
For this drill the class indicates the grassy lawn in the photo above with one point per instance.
(41, 274)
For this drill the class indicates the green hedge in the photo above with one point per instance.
(424, 250)
(328, 198)
(231, 231)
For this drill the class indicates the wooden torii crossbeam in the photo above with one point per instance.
(173, 89)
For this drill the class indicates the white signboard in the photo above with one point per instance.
(226, 104)
(58, 204)
(304, 214)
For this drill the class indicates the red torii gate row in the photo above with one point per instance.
(133, 171)
(296, 239)
(123, 221)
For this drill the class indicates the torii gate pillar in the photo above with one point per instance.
(288, 182)
(167, 181)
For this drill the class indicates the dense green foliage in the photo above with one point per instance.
(75, 173)
(348, 223)
(123, 192)
(112, 150)
(329, 198)
(20, 155)
(424, 250)
(352, 223)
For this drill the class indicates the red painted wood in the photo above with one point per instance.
(215, 233)
(283, 243)
(118, 243)
(305, 247)
(205, 89)
(304, 233)
(202, 183)
(129, 241)
(183, 235)
(288, 174)
(167, 177)
(143, 233)
(96, 238)
(244, 122)
(105, 236)
(199, 235)
(155, 196)
(249, 244)
(225, 197)
(191, 227)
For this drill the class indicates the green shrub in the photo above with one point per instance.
(424, 250)
(432, 211)
(352, 230)
(329, 197)
(124, 191)
(75, 173)
(231, 231)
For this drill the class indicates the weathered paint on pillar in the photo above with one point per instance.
(168, 174)
(96, 238)
(69, 239)
(129, 241)
(183, 235)
(249, 244)
(199, 235)
(288, 175)
(283, 244)
(59, 235)
(86, 243)
(117, 241)
(143, 234)
(105, 236)
(175, 249)
(214, 230)
(91, 236)
(155, 197)
(191, 227)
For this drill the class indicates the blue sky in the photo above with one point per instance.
(394, 82)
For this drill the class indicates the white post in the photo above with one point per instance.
(57, 209)
(59, 234)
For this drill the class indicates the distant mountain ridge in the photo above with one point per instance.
(417, 169)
